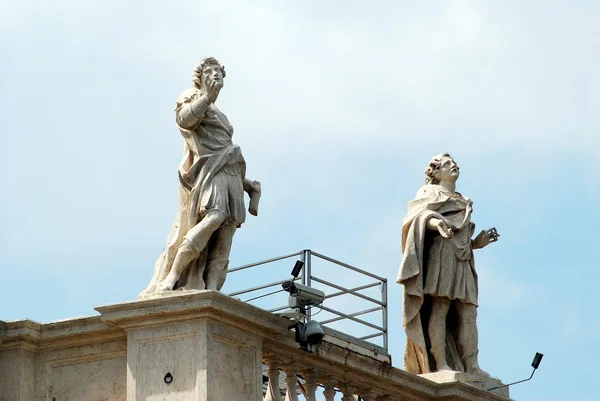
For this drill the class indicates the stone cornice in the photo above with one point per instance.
(80, 331)
(193, 305)
(331, 357)
(21, 334)
(334, 358)
(35, 336)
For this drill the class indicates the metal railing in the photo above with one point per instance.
(332, 290)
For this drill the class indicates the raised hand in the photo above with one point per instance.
(485, 237)
(212, 89)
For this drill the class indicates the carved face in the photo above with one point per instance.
(448, 170)
(212, 73)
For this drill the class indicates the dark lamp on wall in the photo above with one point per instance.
(297, 267)
(537, 359)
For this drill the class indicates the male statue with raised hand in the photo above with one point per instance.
(212, 181)
(438, 274)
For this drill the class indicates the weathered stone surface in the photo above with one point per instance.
(96, 377)
(17, 381)
(438, 274)
(212, 181)
(62, 360)
(484, 383)
(206, 360)
(203, 339)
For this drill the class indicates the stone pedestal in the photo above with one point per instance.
(198, 345)
(17, 381)
(483, 383)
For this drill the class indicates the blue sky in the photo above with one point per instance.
(338, 107)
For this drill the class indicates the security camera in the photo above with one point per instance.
(308, 334)
(312, 332)
(302, 296)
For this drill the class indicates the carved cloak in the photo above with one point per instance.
(208, 153)
(435, 266)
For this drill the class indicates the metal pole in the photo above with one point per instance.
(384, 314)
(308, 269)
(303, 259)
(308, 279)
(510, 384)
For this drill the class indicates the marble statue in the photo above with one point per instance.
(212, 181)
(438, 275)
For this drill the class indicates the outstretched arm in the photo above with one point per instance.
(484, 238)
(439, 225)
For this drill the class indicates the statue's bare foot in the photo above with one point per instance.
(445, 367)
(476, 370)
(165, 285)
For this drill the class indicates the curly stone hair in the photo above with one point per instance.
(197, 77)
(434, 164)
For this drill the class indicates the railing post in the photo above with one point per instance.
(329, 385)
(384, 313)
(273, 390)
(369, 395)
(348, 392)
(303, 259)
(310, 384)
(308, 271)
(308, 267)
(291, 381)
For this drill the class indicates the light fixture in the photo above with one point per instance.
(537, 359)
(297, 267)
(302, 297)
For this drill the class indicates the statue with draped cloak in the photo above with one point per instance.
(438, 274)
(212, 181)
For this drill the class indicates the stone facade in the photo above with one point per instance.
(200, 345)
(68, 360)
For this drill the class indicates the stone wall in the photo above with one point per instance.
(201, 345)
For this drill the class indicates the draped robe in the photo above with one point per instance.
(433, 266)
(211, 176)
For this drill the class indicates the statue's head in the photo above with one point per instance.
(442, 167)
(208, 68)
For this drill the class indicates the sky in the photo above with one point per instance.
(338, 107)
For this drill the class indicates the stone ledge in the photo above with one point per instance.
(331, 357)
(79, 331)
(63, 333)
(334, 357)
(193, 305)
(21, 334)
(482, 383)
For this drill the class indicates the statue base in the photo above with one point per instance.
(162, 294)
(484, 383)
